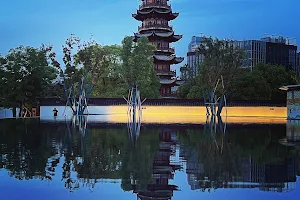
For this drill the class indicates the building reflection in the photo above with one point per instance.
(162, 171)
(220, 166)
(292, 133)
(80, 153)
(293, 139)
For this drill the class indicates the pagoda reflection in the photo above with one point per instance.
(162, 170)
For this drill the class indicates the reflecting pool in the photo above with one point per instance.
(86, 158)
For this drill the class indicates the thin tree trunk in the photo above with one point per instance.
(14, 111)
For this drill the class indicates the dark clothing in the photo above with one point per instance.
(55, 112)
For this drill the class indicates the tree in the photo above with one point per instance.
(276, 76)
(249, 86)
(25, 73)
(2, 80)
(262, 83)
(184, 89)
(104, 62)
(137, 66)
(221, 58)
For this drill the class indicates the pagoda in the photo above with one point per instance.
(155, 16)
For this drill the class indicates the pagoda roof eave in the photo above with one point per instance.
(153, 34)
(171, 82)
(142, 14)
(172, 59)
(180, 82)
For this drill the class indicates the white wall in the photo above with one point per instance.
(7, 113)
(46, 111)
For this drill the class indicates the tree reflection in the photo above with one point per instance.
(250, 155)
(82, 154)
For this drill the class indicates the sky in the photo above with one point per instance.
(33, 22)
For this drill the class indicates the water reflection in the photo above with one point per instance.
(292, 133)
(214, 155)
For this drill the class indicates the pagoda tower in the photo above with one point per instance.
(155, 16)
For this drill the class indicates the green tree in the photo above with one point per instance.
(262, 83)
(104, 62)
(276, 76)
(249, 86)
(137, 66)
(184, 89)
(221, 58)
(25, 73)
(2, 80)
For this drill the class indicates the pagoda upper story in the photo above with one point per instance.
(155, 16)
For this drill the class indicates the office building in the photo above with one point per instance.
(281, 51)
(193, 58)
(275, 50)
(255, 52)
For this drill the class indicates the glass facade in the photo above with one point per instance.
(255, 51)
(267, 51)
(193, 57)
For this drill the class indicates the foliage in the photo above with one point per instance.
(184, 89)
(111, 69)
(262, 84)
(276, 76)
(137, 66)
(249, 86)
(221, 58)
(105, 64)
(25, 75)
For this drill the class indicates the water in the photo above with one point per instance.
(100, 160)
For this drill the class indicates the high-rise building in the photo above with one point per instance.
(193, 58)
(255, 52)
(281, 51)
(155, 16)
(276, 50)
(298, 61)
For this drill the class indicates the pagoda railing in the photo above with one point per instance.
(155, 26)
(156, 4)
(166, 72)
(169, 49)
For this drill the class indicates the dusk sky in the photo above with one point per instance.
(33, 22)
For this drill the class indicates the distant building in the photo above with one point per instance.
(193, 57)
(255, 52)
(275, 50)
(280, 51)
(298, 60)
(183, 72)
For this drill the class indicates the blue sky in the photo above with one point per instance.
(33, 22)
